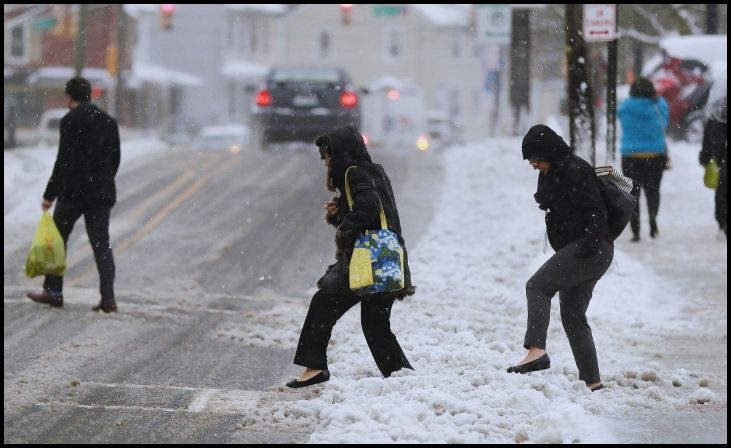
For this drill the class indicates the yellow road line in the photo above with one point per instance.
(142, 208)
(158, 218)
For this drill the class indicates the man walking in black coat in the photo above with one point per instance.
(83, 182)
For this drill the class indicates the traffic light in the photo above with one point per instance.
(346, 12)
(166, 16)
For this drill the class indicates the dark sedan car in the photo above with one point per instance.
(298, 103)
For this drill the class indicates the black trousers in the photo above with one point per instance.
(97, 228)
(647, 174)
(326, 309)
(574, 280)
(722, 197)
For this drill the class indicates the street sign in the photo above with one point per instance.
(600, 23)
(493, 23)
(389, 10)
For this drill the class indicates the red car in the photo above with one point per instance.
(682, 75)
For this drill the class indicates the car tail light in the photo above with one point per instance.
(348, 99)
(422, 143)
(264, 98)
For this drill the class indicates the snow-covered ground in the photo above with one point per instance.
(466, 323)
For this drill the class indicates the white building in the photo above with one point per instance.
(431, 47)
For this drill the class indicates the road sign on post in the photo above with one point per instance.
(493, 23)
(600, 23)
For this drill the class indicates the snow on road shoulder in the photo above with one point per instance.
(466, 324)
(26, 172)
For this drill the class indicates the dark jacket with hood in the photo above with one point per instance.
(88, 158)
(569, 192)
(370, 188)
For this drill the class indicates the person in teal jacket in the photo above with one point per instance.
(644, 117)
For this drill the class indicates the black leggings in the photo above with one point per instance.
(574, 280)
(326, 309)
(647, 174)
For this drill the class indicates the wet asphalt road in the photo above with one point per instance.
(212, 252)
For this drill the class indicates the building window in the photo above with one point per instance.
(17, 42)
(231, 99)
(324, 45)
(456, 46)
(264, 35)
(394, 45)
(254, 36)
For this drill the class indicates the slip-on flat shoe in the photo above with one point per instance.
(541, 363)
(599, 387)
(317, 379)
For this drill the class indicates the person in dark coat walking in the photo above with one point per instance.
(576, 224)
(83, 182)
(644, 117)
(370, 188)
(715, 142)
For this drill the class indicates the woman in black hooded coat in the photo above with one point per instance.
(577, 228)
(370, 187)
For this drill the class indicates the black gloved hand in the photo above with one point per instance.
(586, 250)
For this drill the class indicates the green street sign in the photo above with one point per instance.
(389, 10)
(44, 23)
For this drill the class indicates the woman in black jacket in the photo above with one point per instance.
(576, 224)
(370, 187)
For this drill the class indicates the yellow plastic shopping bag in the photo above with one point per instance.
(47, 255)
(711, 175)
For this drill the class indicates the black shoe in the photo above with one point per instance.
(107, 307)
(46, 298)
(599, 387)
(653, 228)
(319, 378)
(541, 363)
(636, 238)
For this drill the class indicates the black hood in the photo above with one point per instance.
(347, 148)
(542, 143)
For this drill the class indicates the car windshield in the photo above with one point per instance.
(305, 74)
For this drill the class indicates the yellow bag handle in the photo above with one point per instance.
(384, 225)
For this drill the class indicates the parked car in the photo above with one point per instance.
(297, 103)
(232, 138)
(683, 75)
(441, 129)
(49, 126)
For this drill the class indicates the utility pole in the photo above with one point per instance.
(612, 95)
(80, 47)
(520, 66)
(121, 44)
(580, 96)
(711, 19)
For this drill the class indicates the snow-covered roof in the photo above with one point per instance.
(262, 9)
(143, 72)
(704, 48)
(135, 10)
(243, 69)
(57, 76)
(445, 15)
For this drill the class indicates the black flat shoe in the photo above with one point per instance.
(541, 363)
(599, 387)
(317, 379)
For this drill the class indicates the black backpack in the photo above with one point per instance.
(616, 191)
